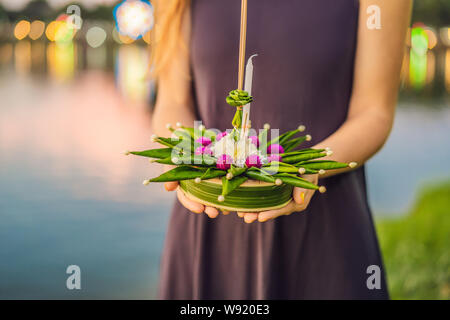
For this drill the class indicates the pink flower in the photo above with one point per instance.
(204, 141)
(275, 148)
(253, 161)
(203, 150)
(224, 162)
(255, 140)
(221, 135)
(274, 157)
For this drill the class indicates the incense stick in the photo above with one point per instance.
(243, 37)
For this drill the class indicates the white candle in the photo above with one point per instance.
(247, 87)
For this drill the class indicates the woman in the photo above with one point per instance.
(319, 64)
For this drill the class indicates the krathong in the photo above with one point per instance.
(233, 170)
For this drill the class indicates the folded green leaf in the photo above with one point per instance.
(323, 164)
(302, 151)
(283, 138)
(293, 143)
(236, 171)
(276, 169)
(229, 185)
(179, 173)
(154, 153)
(212, 173)
(260, 175)
(296, 181)
(303, 157)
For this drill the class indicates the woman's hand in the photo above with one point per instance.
(300, 201)
(192, 205)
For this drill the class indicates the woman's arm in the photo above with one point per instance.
(175, 104)
(378, 61)
(174, 101)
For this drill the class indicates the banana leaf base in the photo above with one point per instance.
(251, 196)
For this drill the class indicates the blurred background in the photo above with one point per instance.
(74, 94)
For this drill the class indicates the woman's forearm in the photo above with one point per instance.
(359, 138)
(171, 113)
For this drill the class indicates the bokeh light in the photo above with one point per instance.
(59, 31)
(418, 57)
(36, 30)
(95, 37)
(22, 29)
(134, 18)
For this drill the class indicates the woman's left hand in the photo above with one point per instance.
(300, 201)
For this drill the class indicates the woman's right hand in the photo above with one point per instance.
(192, 205)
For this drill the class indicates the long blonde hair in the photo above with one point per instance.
(166, 34)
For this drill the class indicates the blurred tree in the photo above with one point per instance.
(432, 12)
(38, 9)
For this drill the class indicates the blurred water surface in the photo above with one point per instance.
(68, 195)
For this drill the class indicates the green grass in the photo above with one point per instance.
(416, 247)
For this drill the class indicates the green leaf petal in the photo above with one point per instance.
(323, 164)
(296, 181)
(154, 153)
(236, 171)
(229, 185)
(212, 173)
(260, 175)
(303, 157)
(293, 143)
(179, 173)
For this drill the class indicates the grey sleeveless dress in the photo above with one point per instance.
(303, 75)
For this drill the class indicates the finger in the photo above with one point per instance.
(308, 196)
(314, 178)
(225, 213)
(211, 212)
(250, 217)
(299, 195)
(271, 214)
(171, 185)
(240, 214)
(189, 204)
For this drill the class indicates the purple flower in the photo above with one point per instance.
(203, 150)
(255, 140)
(204, 141)
(221, 135)
(253, 161)
(275, 148)
(274, 157)
(224, 162)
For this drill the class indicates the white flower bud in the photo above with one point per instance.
(321, 171)
(266, 126)
(153, 137)
(278, 182)
(198, 180)
(322, 189)
(175, 160)
(352, 164)
(301, 170)
(329, 153)
(229, 176)
(178, 124)
(301, 128)
(221, 198)
(126, 153)
(308, 137)
(145, 182)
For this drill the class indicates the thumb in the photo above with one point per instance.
(171, 185)
(299, 195)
